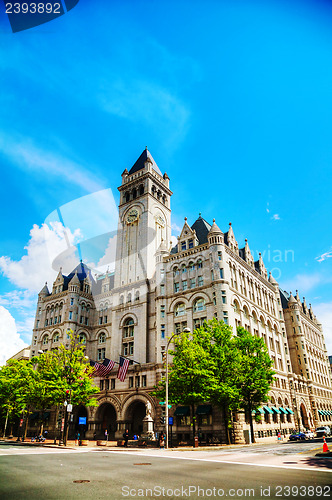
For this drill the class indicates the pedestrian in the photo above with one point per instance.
(199, 435)
(161, 441)
(126, 437)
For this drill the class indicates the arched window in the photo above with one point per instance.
(82, 338)
(129, 297)
(137, 295)
(199, 305)
(102, 338)
(183, 268)
(141, 190)
(175, 271)
(236, 307)
(45, 340)
(191, 266)
(56, 337)
(121, 299)
(128, 329)
(180, 309)
(199, 264)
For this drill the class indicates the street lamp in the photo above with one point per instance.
(186, 330)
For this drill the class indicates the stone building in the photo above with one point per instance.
(157, 289)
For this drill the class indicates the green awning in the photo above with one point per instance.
(324, 412)
(283, 410)
(320, 412)
(182, 411)
(289, 410)
(329, 412)
(276, 410)
(204, 410)
(268, 410)
(260, 410)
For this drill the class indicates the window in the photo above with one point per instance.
(162, 289)
(176, 287)
(221, 272)
(223, 297)
(179, 327)
(162, 311)
(184, 269)
(192, 283)
(200, 281)
(51, 321)
(180, 309)
(56, 337)
(137, 295)
(102, 338)
(112, 384)
(37, 323)
(101, 385)
(192, 266)
(199, 264)
(70, 314)
(105, 319)
(225, 317)
(128, 349)
(191, 243)
(162, 331)
(219, 256)
(184, 245)
(131, 382)
(101, 354)
(175, 271)
(107, 384)
(129, 297)
(143, 380)
(137, 381)
(45, 340)
(128, 330)
(81, 319)
(100, 320)
(199, 305)
(71, 302)
(184, 285)
(55, 320)
(198, 322)
(82, 338)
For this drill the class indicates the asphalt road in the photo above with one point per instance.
(40, 473)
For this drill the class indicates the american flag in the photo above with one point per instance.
(101, 370)
(123, 368)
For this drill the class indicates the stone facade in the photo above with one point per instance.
(157, 289)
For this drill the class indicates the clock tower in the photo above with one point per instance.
(144, 221)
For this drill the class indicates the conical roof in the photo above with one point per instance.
(202, 229)
(139, 163)
(214, 229)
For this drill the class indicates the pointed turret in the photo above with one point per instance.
(231, 241)
(292, 299)
(44, 292)
(247, 255)
(74, 284)
(305, 307)
(143, 161)
(272, 280)
(215, 235)
(58, 283)
(298, 298)
(260, 267)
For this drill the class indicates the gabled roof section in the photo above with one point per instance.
(139, 164)
(83, 271)
(202, 229)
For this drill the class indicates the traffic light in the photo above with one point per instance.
(162, 420)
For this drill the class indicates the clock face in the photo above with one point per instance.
(132, 216)
(160, 221)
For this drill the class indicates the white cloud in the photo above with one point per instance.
(176, 228)
(108, 259)
(10, 342)
(45, 244)
(275, 217)
(323, 312)
(23, 153)
(324, 256)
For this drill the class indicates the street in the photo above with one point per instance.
(288, 470)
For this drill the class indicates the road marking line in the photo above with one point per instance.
(221, 462)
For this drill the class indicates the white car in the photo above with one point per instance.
(309, 435)
(323, 431)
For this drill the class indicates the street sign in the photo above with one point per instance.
(170, 420)
(69, 408)
(163, 403)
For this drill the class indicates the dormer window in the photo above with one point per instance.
(184, 245)
(191, 243)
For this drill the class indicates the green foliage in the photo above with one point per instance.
(43, 381)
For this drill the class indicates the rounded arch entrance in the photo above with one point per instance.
(304, 416)
(107, 420)
(135, 413)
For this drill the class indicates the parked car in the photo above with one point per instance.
(309, 435)
(297, 436)
(323, 431)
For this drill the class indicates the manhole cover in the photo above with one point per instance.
(143, 464)
(81, 481)
(290, 462)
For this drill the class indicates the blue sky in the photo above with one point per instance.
(233, 99)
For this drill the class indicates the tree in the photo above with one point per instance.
(255, 373)
(190, 373)
(224, 392)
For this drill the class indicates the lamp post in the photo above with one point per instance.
(186, 330)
